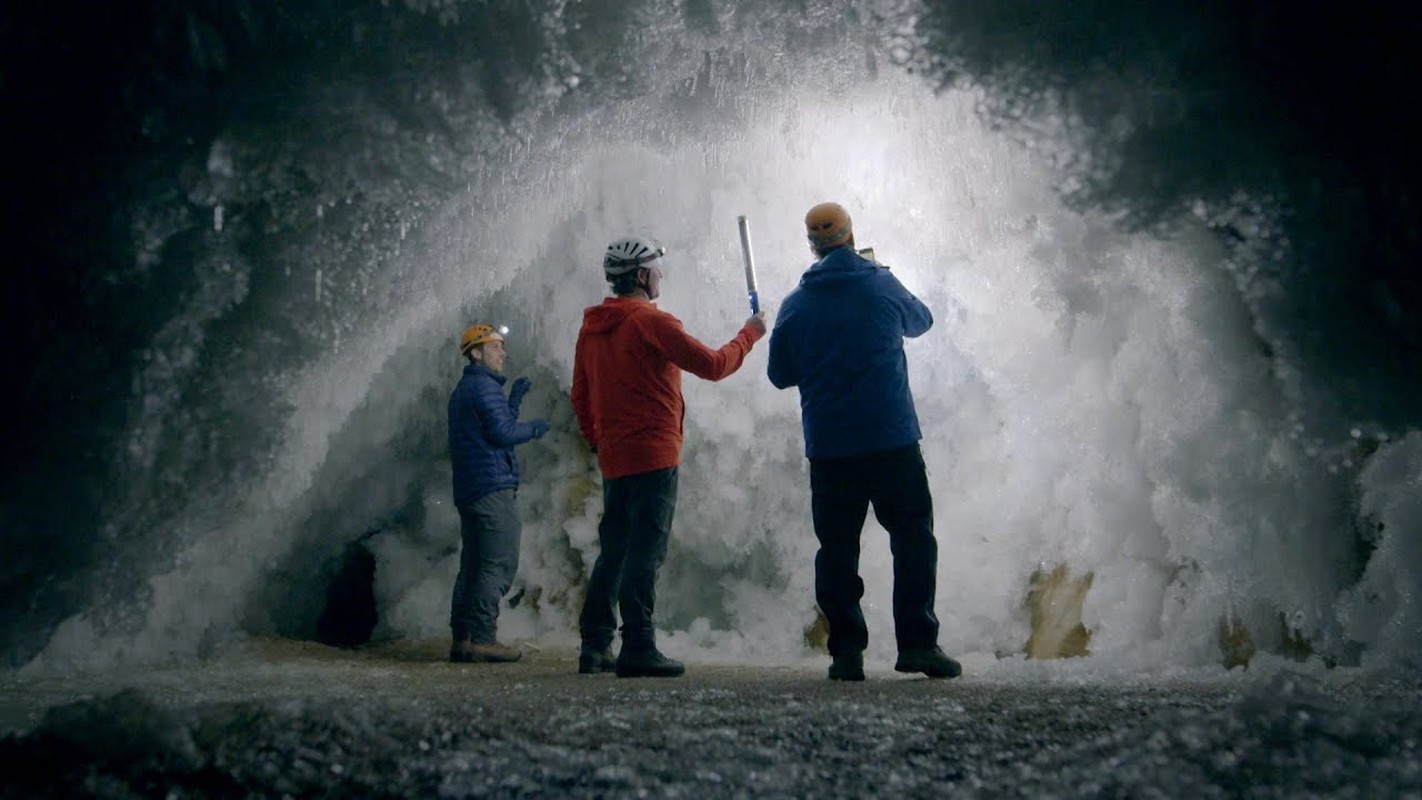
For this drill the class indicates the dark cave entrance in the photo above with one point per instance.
(349, 615)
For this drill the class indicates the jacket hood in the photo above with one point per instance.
(614, 311)
(839, 266)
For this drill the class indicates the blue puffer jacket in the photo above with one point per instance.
(483, 430)
(839, 336)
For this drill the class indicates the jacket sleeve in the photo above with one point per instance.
(493, 407)
(666, 334)
(582, 400)
(916, 316)
(782, 367)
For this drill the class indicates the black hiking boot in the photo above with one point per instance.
(847, 667)
(930, 661)
(591, 662)
(647, 664)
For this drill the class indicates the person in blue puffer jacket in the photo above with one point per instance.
(839, 337)
(483, 431)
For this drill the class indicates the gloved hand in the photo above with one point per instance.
(519, 388)
(540, 427)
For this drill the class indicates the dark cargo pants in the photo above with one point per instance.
(637, 513)
(895, 482)
(490, 528)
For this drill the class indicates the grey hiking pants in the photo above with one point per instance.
(491, 529)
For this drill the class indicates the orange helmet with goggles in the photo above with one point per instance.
(480, 334)
(827, 225)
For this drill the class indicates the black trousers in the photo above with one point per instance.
(895, 482)
(637, 512)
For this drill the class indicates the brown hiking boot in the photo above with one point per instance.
(467, 652)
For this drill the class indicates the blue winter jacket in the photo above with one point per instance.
(483, 430)
(839, 336)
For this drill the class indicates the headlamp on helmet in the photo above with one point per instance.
(480, 334)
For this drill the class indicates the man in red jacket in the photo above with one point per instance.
(627, 397)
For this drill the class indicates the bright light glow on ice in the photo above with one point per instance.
(1087, 398)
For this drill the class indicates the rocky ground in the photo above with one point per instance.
(398, 721)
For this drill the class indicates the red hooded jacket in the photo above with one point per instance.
(627, 382)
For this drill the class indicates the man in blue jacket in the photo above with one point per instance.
(483, 431)
(839, 337)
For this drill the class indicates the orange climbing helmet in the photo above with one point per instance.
(480, 334)
(827, 225)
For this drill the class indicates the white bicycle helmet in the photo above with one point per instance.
(625, 255)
